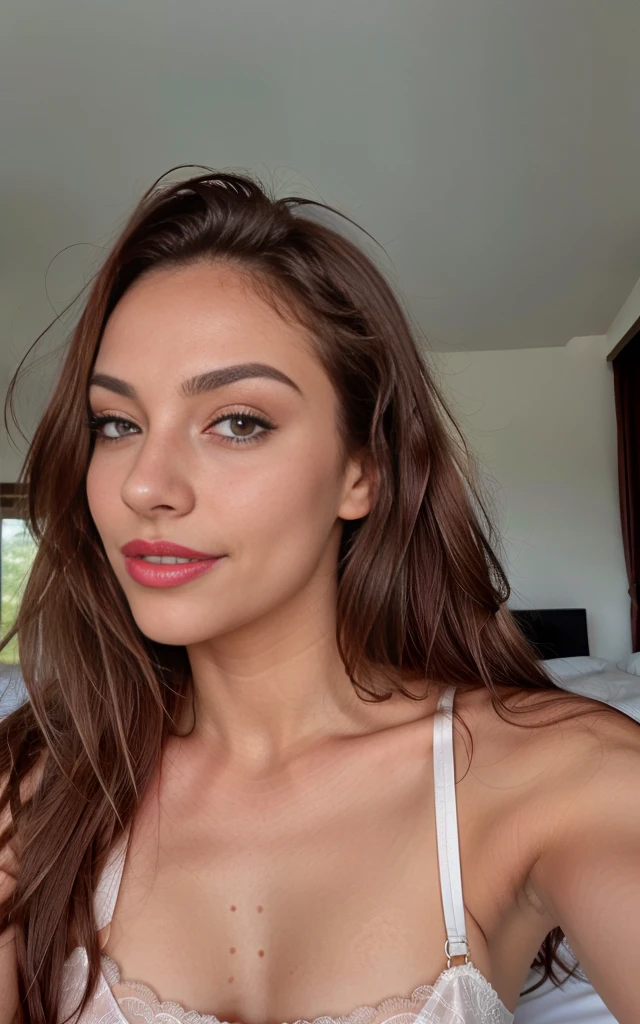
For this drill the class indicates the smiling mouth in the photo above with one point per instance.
(168, 570)
(169, 559)
(159, 550)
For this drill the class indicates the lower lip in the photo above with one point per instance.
(155, 574)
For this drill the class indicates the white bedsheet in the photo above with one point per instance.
(613, 686)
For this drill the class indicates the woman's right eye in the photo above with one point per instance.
(99, 424)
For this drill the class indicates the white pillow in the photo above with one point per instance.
(632, 665)
(620, 689)
(569, 668)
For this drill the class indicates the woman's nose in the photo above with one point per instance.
(159, 480)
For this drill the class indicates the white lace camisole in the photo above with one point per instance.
(460, 995)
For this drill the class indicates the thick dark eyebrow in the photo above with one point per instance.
(208, 381)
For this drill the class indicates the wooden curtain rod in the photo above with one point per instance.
(13, 500)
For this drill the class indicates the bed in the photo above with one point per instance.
(560, 637)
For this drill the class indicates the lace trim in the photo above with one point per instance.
(361, 1014)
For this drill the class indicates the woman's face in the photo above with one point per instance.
(266, 495)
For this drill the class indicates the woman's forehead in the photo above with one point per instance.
(187, 322)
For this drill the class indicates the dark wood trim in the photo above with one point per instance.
(633, 330)
(13, 499)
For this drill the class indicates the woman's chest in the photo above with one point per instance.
(283, 921)
(293, 910)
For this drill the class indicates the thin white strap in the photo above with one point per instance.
(447, 826)
(106, 894)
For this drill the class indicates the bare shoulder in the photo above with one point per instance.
(568, 725)
(552, 746)
(582, 827)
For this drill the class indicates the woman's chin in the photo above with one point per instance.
(173, 633)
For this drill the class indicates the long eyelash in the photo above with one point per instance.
(241, 414)
(96, 422)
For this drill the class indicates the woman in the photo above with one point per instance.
(262, 586)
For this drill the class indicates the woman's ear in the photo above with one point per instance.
(360, 487)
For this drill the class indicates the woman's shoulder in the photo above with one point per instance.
(558, 714)
(561, 771)
(550, 743)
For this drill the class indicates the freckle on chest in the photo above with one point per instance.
(232, 949)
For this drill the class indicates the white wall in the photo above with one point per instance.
(10, 459)
(32, 311)
(542, 423)
(31, 396)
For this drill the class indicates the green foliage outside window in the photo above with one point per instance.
(17, 549)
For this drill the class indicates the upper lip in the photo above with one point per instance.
(162, 547)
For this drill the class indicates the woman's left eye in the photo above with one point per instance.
(247, 420)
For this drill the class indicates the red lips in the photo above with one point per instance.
(162, 575)
(162, 547)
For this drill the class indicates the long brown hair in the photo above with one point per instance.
(420, 588)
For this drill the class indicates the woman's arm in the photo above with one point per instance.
(588, 875)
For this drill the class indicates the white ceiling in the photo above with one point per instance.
(491, 146)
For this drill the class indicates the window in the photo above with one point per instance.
(17, 549)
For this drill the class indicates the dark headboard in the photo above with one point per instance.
(555, 632)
